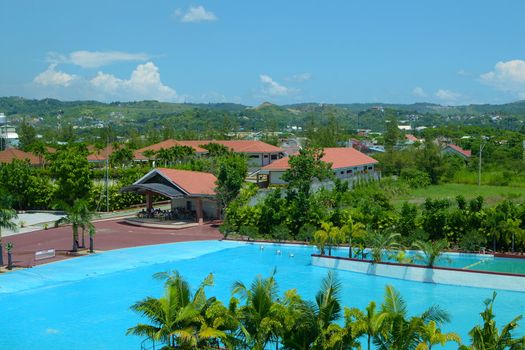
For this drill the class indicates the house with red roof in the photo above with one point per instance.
(347, 164)
(192, 193)
(456, 150)
(10, 154)
(259, 153)
(410, 139)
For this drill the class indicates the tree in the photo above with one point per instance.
(71, 171)
(354, 230)
(488, 336)
(329, 235)
(380, 242)
(258, 316)
(7, 217)
(122, 156)
(177, 317)
(391, 131)
(431, 335)
(26, 135)
(77, 216)
(231, 172)
(431, 250)
(429, 160)
(305, 167)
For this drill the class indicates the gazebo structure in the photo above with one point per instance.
(192, 193)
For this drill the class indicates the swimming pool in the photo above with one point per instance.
(84, 303)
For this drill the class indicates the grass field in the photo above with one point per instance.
(491, 194)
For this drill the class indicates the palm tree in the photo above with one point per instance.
(431, 251)
(431, 335)
(328, 235)
(370, 322)
(75, 216)
(380, 242)
(86, 218)
(258, 316)
(488, 335)
(92, 232)
(176, 317)
(7, 217)
(353, 230)
(401, 332)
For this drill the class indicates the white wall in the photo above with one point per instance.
(467, 278)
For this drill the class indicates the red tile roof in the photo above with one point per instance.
(193, 182)
(340, 157)
(139, 154)
(11, 154)
(100, 155)
(411, 138)
(237, 146)
(465, 152)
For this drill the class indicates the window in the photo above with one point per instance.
(254, 156)
(274, 156)
(349, 171)
(265, 156)
(370, 167)
(342, 172)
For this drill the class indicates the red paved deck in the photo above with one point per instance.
(110, 235)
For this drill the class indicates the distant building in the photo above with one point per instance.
(347, 164)
(8, 137)
(456, 150)
(9, 155)
(259, 153)
(410, 139)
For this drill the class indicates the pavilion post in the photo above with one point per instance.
(200, 216)
(149, 200)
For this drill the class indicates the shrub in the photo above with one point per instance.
(415, 178)
(472, 241)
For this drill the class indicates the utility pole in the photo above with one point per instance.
(481, 146)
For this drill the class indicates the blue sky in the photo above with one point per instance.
(448, 52)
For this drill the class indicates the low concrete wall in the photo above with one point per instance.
(441, 275)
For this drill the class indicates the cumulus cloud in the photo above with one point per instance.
(144, 83)
(195, 14)
(273, 88)
(447, 95)
(507, 76)
(419, 92)
(53, 77)
(299, 78)
(95, 59)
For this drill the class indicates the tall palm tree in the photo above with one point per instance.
(353, 230)
(380, 242)
(488, 336)
(86, 218)
(7, 217)
(370, 322)
(176, 316)
(431, 250)
(258, 316)
(76, 217)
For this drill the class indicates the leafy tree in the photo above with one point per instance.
(121, 157)
(70, 169)
(216, 149)
(380, 242)
(232, 170)
(392, 133)
(430, 161)
(26, 135)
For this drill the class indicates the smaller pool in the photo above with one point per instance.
(479, 262)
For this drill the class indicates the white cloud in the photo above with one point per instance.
(195, 14)
(447, 95)
(53, 77)
(419, 92)
(95, 59)
(144, 83)
(299, 78)
(273, 88)
(507, 76)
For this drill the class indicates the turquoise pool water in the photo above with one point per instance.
(480, 262)
(84, 303)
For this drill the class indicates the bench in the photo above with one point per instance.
(44, 254)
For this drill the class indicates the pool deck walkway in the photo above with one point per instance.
(111, 234)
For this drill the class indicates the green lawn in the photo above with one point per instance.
(491, 194)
